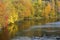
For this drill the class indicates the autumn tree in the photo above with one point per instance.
(2, 13)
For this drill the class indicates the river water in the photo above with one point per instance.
(32, 30)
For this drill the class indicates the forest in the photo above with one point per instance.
(37, 11)
(16, 10)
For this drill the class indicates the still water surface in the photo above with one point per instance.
(19, 29)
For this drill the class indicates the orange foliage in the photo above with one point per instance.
(2, 9)
(2, 13)
(27, 4)
(47, 10)
(58, 3)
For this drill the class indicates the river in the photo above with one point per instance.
(28, 29)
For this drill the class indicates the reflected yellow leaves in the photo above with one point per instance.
(13, 29)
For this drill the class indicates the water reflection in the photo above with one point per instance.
(12, 29)
(17, 29)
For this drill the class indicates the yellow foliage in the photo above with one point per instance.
(12, 19)
(47, 10)
(13, 15)
(39, 1)
(58, 3)
(28, 5)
